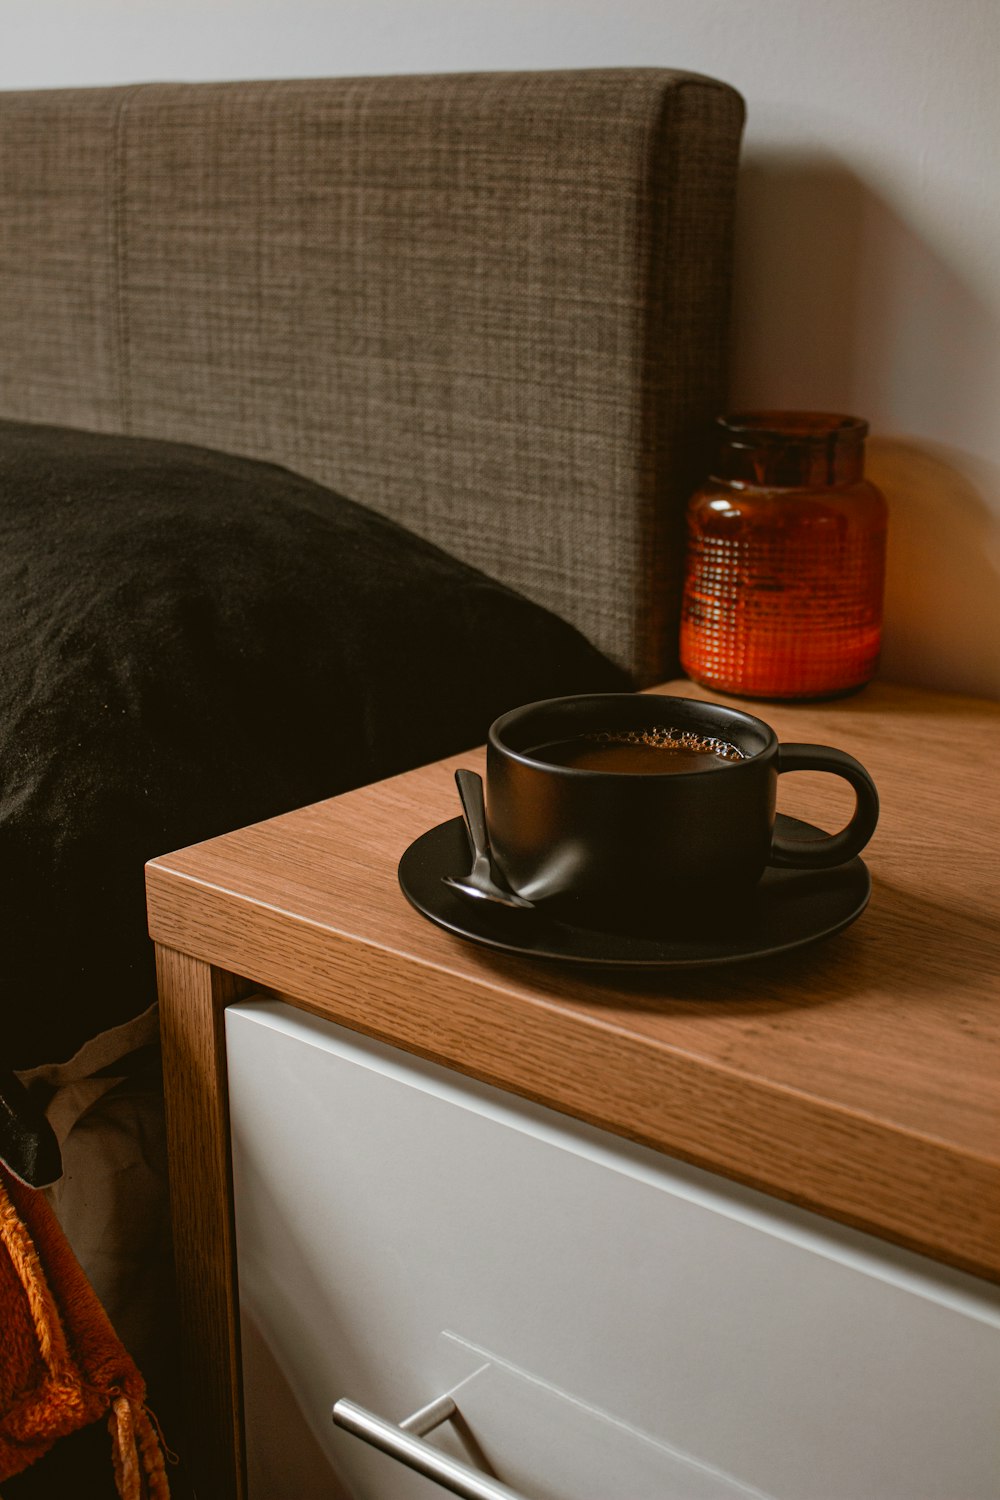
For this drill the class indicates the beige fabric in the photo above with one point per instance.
(490, 306)
(70, 1088)
(105, 1105)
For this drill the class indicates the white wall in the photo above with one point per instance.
(868, 264)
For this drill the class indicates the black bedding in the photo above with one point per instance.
(191, 642)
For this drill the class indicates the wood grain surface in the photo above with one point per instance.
(193, 997)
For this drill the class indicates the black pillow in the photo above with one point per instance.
(193, 642)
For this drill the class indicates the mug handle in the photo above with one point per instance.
(833, 848)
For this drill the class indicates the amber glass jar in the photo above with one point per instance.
(785, 560)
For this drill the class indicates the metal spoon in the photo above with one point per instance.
(480, 883)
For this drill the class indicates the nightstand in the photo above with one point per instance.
(843, 1100)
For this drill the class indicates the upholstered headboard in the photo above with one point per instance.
(493, 306)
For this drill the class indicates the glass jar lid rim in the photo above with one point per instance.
(791, 426)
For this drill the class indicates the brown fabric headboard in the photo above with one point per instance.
(493, 306)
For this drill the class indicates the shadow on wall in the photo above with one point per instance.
(840, 305)
(942, 606)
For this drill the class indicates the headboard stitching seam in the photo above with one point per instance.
(119, 256)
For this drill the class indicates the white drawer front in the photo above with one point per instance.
(382, 1203)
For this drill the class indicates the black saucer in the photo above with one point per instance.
(788, 909)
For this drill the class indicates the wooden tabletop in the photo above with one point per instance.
(858, 1077)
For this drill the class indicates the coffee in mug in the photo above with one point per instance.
(657, 751)
(622, 802)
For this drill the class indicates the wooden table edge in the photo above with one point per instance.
(680, 1103)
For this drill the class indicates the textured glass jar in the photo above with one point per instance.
(785, 560)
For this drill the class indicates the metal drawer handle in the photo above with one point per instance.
(405, 1442)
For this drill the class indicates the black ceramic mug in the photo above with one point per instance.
(621, 840)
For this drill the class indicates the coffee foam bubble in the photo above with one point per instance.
(659, 737)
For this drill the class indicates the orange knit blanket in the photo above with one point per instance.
(62, 1366)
